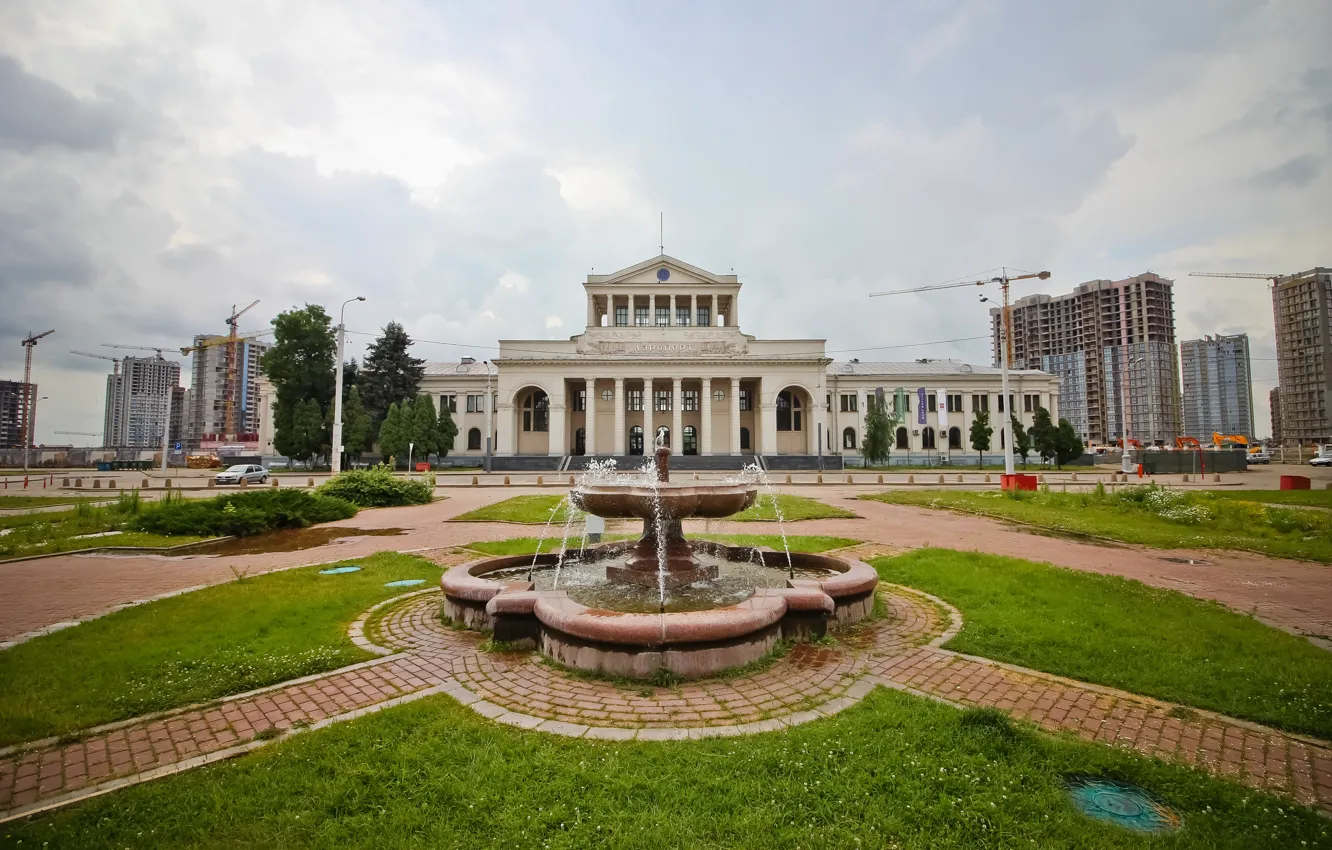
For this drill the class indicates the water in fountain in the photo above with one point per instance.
(564, 541)
(756, 473)
(660, 518)
(544, 530)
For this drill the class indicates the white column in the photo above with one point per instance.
(735, 311)
(677, 415)
(735, 416)
(671, 319)
(557, 445)
(768, 428)
(652, 321)
(619, 418)
(693, 310)
(705, 408)
(592, 311)
(590, 419)
(507, 438)
(648, 436)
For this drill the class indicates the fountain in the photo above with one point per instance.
(631, 608)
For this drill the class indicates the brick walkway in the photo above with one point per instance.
(423, 657)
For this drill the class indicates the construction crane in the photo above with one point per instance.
(155, 348)
(229, 388)
(28, 343)
(115, 361)
(1239, 275)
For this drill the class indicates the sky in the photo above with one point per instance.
(464, 166)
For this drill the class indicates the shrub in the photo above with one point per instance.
(378, 487)
(243, 514)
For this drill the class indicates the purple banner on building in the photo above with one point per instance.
(920, 406)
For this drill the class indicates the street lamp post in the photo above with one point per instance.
(336, 460)
(1126, 464)
(490, 407)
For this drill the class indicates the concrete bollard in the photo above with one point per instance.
(1073, 477)
(167, 484)
(78, 483)
(506, 481)
(880, 479)
(540, 483)
(788, 478)
(275, 482)
(941, 479)
(309, 482)
(850, 480)
(111, 485)
(64, 482)
(245, 482)
(1216, 478)
(97, 483)
(1328, 486)
(987, 478)
(959, 478)
(820, 477)
(1041, 478)
(211, 483)
(476, 482)
(1185, 478)
(911, 479)
(571, 479)
(695, 478)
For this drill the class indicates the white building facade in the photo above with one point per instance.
(663, 353)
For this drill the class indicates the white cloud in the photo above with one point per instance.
(554, 322)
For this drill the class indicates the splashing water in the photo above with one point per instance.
(542, 539)
(755, 473)
(564, 541)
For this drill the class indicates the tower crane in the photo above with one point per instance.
(1241, 275)
(155, 348)
(29, 343)
(115, 361)
(229, 388)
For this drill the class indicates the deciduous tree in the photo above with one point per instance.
(1044, 434)
(1021, 439)
(1068, 445)
(878, 432)
(357, 430)
(300, 366)
(981, 433)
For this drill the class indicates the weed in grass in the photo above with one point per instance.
(268, 733)
(1184, 713)
(503, 647)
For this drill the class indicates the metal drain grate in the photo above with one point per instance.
(1121, 804)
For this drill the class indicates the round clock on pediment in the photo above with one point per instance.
(663, 274)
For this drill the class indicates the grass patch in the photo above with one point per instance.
(1309, 498)
(1113, 631)
(49, 532)
(792, 509)
(896, 771)
(14, 503)
(241, 514)
(1149, 515)
(797, 542)
(530, 510)
(191, 648)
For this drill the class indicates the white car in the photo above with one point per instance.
(1321, 460)
(251, 473)
(1260, 456)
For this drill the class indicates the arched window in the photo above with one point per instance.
(636, 440)
(848, 438)
(927, 438)
(902, 438)
(744, 438)
(955, 437)
(788, 411)
(690, 440)
(536, 411)
(580, 441)
(474, 440)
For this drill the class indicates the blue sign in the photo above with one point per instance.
(920, 406)
(663, 275)
(177, 446)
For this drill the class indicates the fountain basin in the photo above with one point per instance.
(688, 643)
(678, 501)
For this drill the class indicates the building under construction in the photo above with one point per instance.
(209, 388)
(1218, 386)
(1100, 339)
(1300, 304)
(12, 410)
(136, 403)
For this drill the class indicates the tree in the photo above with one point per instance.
(306, 434)
(300, 365)
(389, 374)
(878, 432)
(351, 374)
(1021, 440)
(1044, 434)
(357, 430)
(424, 427)
(980, 434)
(446, 431)
(1068, 445)
(395, 433)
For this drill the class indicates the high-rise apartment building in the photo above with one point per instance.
(12, 408)
(1274, 404)
(1112, 344)
(136, 402)
(208, 390)
(1217, 382)
(1301, 305)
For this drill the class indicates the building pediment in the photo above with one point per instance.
(661, 270)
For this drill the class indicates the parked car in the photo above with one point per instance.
(1321, 460)
(1261, 455)
(252, 473)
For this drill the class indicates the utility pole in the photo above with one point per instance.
(335, 462)
(29, 414)
(490, 407)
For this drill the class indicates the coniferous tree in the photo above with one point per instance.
(980, 434)
(1044, 434)
(878, 433)
(351, 374)
(357, 430)
(389, 373)
(424, 427)
(300, 366)
(446, 431)
(1068, 445)
(394, 433)
(1021, 439)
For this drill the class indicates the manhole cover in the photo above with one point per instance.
(1122, 804)
(337, 571)
(407, 582)
(1196, 561)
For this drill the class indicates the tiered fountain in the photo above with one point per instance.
(631, 608)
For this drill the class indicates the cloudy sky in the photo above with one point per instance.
(465, 165)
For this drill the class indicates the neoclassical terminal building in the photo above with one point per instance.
(663, 352)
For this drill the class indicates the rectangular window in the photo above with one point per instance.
(704, 317)
(682, 317)
(931, 402)
(744, 400)
(580, 400)
(634, 399)
(663, 317)
(955, 403)
(906, 401)
(621, 317)
(449, 403)
(641, 316)
(690, 400)
(1030, 403)
(980, 402)
(850, 402)
(661, 401)
(1001, 404)
(475, 404)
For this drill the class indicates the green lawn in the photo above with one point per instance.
(1152, 516)
(61, 531)
(792, 508)
(530, 510)
(798, 543)
(14, 503)
(1314, 498)
(894, 772)
(1121, 633)
(191, 648)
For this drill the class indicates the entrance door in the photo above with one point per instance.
(580, 441)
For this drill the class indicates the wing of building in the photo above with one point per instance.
(663, 353)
